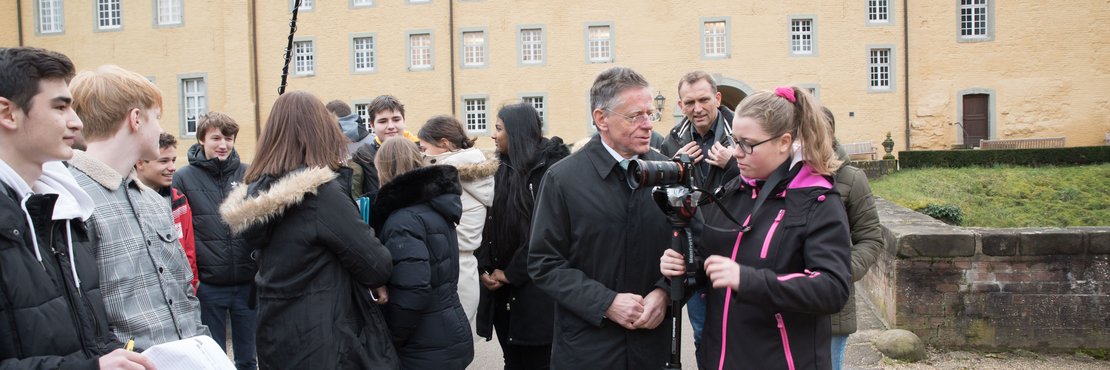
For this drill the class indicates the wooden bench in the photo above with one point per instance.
(861, 148)
(1033, 143)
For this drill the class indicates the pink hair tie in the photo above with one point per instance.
(787, 93)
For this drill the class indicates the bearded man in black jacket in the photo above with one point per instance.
(594, 240)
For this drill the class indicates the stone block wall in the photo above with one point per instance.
(1044, 289)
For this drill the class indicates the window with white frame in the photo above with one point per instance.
(194, 103)
(801, 36)
(879, 65)
(420, 51)
(531, 45)
(475, 114)
(474, 48)
(169, 12)
(363, 49)
(878, 11)
(974, 21)
(50, 16)
(108, 14)
(363, 112)
(714, 40)
(305, 58)
(538, 103)
(601, 44)
(362, 2)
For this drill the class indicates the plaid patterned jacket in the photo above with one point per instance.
(144, 274)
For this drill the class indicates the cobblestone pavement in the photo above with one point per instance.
(861, 355)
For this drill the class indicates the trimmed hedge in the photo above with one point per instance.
(1080, 155)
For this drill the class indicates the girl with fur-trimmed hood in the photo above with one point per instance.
(444, 141)
(317, 260)
(415, 213)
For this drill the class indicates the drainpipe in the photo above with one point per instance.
(19, 19)
(254, 70)
(906, 61)
(451, 31)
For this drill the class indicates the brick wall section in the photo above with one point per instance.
(1032, 288)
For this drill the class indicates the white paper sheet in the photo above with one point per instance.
(196, 353)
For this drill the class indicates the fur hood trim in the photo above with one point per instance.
(478, 171)
(473, 164)
(420, 185)
(243, 212)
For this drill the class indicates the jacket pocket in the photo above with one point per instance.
(785, 341)
(771, 234)
(168, 234)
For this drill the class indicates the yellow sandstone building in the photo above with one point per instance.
(934, 74)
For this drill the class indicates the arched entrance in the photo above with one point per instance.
(731, 96)
(732, 91)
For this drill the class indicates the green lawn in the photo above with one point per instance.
(1007, 196)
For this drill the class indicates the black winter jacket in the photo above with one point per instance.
(592, 238)
(44, 322)
(683, 133)
(794, 274)
(364, 158)
(415, 215)
(531, 312)
(317, 262)
(222, 258)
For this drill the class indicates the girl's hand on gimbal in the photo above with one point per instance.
(671, 264)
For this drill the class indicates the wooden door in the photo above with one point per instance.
(975, 119)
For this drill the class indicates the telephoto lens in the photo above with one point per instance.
(643, 173)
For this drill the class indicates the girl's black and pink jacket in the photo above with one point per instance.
(794, 273)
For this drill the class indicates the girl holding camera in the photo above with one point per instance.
(778, 276)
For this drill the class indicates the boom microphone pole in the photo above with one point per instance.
(289, 47)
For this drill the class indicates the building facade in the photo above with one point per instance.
(934, 74)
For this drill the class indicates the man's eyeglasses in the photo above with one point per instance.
(749, 148)
(638, 117)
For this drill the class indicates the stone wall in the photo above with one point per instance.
(1044, 289)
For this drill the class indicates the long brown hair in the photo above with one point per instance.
(802, 119)
(300, 132)
(397, 156)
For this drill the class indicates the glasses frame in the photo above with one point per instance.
(647, 116)
(743, 146)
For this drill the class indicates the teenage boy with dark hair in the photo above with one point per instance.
(224, 260)
(51, 312)
(158, 175)
(387, 119)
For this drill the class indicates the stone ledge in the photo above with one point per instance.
(1042, 241)
(998, 242)
(1098, 238)
(909, 234)
(931, 240)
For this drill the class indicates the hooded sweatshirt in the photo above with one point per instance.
(51, 309)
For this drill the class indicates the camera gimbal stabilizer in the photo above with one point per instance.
(676, 196)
